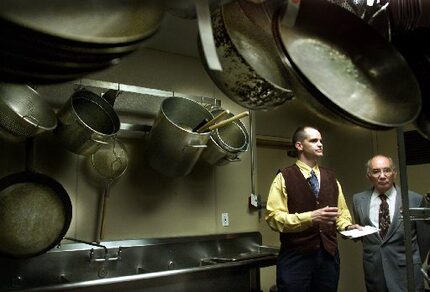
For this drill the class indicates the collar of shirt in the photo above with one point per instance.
(306, 169)
(390, 193)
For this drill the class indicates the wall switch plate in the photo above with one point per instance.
(224, 219)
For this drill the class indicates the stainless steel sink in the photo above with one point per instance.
(78, 265)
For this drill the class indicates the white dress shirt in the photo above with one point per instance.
(375, 201)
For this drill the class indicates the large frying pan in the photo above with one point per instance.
(346, 67)
(35, 214)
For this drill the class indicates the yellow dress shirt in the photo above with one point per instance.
(280, 219)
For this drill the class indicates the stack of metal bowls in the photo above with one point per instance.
(54, 41)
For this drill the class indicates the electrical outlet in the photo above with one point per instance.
(253, 200)
(224, 219)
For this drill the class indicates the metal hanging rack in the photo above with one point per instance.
(138, 106)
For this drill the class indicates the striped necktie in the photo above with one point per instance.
(384, 216)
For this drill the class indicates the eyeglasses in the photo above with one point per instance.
(379, 171)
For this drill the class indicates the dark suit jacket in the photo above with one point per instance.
(384, 260)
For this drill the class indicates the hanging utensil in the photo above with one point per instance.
(226, 143)
(23, 113)
(204, 127)
(86, 121)
(35, 211)
(252, 76)
(228, 121)
(173, 148)
(366, 81)
(110, 161)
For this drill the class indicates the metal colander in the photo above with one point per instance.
(23, 112)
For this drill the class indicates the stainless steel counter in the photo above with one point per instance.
(225, 262)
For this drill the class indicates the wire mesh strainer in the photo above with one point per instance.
(110, 161)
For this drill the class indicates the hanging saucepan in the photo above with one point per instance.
(173, 147)
(226, 143)
(23, 113)
(86, 122)
(363, 79)
(252, 74)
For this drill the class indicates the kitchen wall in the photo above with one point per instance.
(144, 203)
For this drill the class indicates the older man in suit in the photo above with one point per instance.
(384, 259)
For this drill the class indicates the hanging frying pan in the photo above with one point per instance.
(35, 212)
(349, 69)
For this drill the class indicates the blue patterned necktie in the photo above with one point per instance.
(384, 216)
(314, 184)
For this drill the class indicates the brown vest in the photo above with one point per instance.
(301, 199)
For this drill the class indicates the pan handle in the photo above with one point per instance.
(228, 121)
(31, 119)
(206, 35)
(197, 146)
(236, 159)
(95, 139)
(213, 121)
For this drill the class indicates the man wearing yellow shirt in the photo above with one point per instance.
(307, 206)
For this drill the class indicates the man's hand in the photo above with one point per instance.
(326, 215)
(354, 226)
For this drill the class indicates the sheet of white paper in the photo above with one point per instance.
(354, 233)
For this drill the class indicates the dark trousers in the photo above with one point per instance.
(307, 272)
